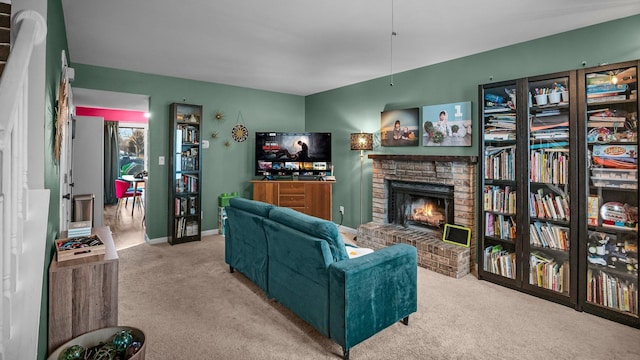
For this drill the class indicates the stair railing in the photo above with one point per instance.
(23, 220)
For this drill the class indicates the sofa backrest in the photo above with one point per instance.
(245, 239)
(255, 207)
(316, 227)
(299, 273)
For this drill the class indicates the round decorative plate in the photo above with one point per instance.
(239, 133)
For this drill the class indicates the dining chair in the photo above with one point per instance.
(124, 193)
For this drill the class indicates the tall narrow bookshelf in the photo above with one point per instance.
(185, 220)
(609, 226)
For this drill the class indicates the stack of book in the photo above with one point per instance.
(79, 228)
(605, 118)
(500, 127)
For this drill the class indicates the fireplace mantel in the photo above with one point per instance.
(438, 158)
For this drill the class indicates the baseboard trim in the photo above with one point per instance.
(165, 239)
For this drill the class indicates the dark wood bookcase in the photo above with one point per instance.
(185, 174)
(545, 222)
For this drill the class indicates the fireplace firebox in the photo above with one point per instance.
(420, 205)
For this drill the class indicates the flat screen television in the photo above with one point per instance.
(293, 153)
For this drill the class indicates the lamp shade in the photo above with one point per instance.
(361, 141)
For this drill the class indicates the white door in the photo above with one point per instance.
(88, 160)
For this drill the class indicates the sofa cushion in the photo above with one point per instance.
(320, 228)
(255, 207)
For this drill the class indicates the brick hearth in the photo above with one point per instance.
(433, 253)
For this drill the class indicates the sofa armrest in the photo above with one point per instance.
(371, 292)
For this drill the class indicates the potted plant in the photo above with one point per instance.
(428, 128)
(438, 136)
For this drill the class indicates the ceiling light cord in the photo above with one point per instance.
(393, 33)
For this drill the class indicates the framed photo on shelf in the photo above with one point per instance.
(447, 124)
(400, 127)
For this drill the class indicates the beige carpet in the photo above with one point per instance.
(190, 307)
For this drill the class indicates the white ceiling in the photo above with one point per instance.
(304, 47)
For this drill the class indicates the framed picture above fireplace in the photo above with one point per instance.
(400, 127)
(447, 124)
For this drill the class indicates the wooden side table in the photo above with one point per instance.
(83, 293)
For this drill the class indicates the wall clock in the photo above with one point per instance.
(239, 133)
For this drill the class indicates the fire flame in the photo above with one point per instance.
(427, 215)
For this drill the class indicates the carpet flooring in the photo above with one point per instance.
(190, 307)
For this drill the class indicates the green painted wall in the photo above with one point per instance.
(224, 169)
(56, 42)
(357, 107)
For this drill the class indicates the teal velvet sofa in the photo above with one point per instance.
(302, 262)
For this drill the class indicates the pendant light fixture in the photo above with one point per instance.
(393, 34)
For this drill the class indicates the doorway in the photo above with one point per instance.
(125, 120)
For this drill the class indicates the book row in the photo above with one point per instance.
(500, 199)
(187, 162)
(187, 135)
(185, 206)
(547, 273)
(500, 163)
(549, 206)
(500, 261)
(186, 228)
(187, 183)
(549, 165)
(548, 235)
(611, 291)
(500, 226)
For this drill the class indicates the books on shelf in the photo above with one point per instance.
(500, 162)
(549, 164)
(186, 227)
(606, 98)
(547, 273)
(500, 261)
(548, 122)
(611, 291)
(500, 199)
(547, 235)
(549, 206)
(497, 109)
(500, 226)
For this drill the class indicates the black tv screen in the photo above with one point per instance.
(291, 153)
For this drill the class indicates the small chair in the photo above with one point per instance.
(123, 192)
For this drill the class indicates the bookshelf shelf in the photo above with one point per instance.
(185, 173)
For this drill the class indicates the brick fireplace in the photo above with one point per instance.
(456, 172)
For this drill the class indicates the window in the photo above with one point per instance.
(132, 149)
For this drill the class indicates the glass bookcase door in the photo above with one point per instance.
(548, 249)
(498, 185)
(611, 280)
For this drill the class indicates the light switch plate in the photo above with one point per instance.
(161, 160)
